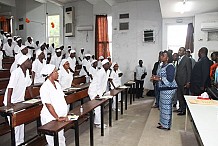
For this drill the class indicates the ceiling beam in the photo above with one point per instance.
(111, 2)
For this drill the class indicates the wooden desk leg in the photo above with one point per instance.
(102, 119)
(76, 133)
(126, 99)
(56, 142)
(131, 94)
(134, 87)
(117, 107)
(91, 128)
(13, 141)
(110, 112)
(121, 103)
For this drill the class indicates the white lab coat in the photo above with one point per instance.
(54, 96)
(98, 87)
(65, 79)
(56, 60)
(72, 62)
(17, 49)
(30, 51)
(37, 67)
(14, 65)
(8, 49)
(93, 72)
(19, 83)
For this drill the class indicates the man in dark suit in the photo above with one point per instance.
(183, 74)
(200, 77)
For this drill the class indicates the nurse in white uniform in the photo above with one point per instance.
(93, 69)
(37, 66)
(97, 88)
(65, 75)
(54, 104)
(15, 92)
(72, 60)
(56, 58)
(86, 64)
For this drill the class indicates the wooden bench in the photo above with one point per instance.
(5, 73)
(52, 128)
(4, 83)
(78, 80)
(78, 67)
(6, 65)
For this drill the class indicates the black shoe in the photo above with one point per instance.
(181, 113)
(177, 110)
(163, 128)
(174, 105)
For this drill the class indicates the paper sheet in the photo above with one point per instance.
(106, 97)
(32, 101)
(203, 102)
(122, 87)
(72, 117)
(130, 82)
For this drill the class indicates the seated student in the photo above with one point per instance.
(56, 58)
(116, 75)
(65, 77)
(8, 48)
(97, 89)
(72, 60)
(93, 69)
(15, 92)
(23, 51)
(54, 104)
(86, 64)
(37, 67)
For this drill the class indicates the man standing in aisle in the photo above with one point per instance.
(139, 76)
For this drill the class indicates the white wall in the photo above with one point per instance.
(83, 16)
(128, 46)
(200, 37)
(8, 2)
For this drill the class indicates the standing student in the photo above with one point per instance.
(81, 55)
(56, 58)
(167, 86)
(86, 64)
(30, 45)
(15, 92)
(139, 76)
(37, 66)
(72, 60)
(65, 75)
(17, 47)
(93, 69)
(100, 59)
(8, 48)
(183, 74)
(97, 89)
(54, 104)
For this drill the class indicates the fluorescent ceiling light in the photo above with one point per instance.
(183, 6)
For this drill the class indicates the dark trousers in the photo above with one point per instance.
(139, 88)
(157, 94)
(180, 95)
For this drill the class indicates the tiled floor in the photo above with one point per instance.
(136, 127)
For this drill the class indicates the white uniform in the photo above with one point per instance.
(30, 51)
(65, 79)
(19, 83)
(17, 49)
(98, 87)
(14, 65)
(99, 64)
(37, 67)
(117, 82)
(54, 96)
(72, 62)
(8, 49)
(56, 60)
(139, 72)
(87, 64)
(1, 58)
(81, 56)
(93, 72)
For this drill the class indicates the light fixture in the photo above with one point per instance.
(183, 6)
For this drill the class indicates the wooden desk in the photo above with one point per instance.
(4, 83)
(131, 84)
(52, 128)
(5, 73)
(77, 80)
(21, 113)
(205, 119)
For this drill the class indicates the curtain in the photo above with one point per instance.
(189, 44)
(5, 24)
(101, 36)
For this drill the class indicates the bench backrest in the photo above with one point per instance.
(79, 80)
(76, 96)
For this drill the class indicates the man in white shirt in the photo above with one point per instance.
(72, 60)
(30, 45)
(100, 59)
(17, 47)
(97, 89)
(8, 48)
(139, 76)
(15, 92)
(56, 59)
(86, 64)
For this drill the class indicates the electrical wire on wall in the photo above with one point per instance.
(87, 36)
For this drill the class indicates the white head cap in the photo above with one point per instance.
(108, 57)
(114, 63)
(82, 48)
(47, 69)
(104, 61)
(100, 57)
(18, 39)
(42, 44)
(38, 52)
(9, 38)
(86, 55)
(22, 47)
(72, 51)
(22, 59)
(93, 61)
(58, 50)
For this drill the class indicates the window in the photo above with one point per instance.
(54, 30)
